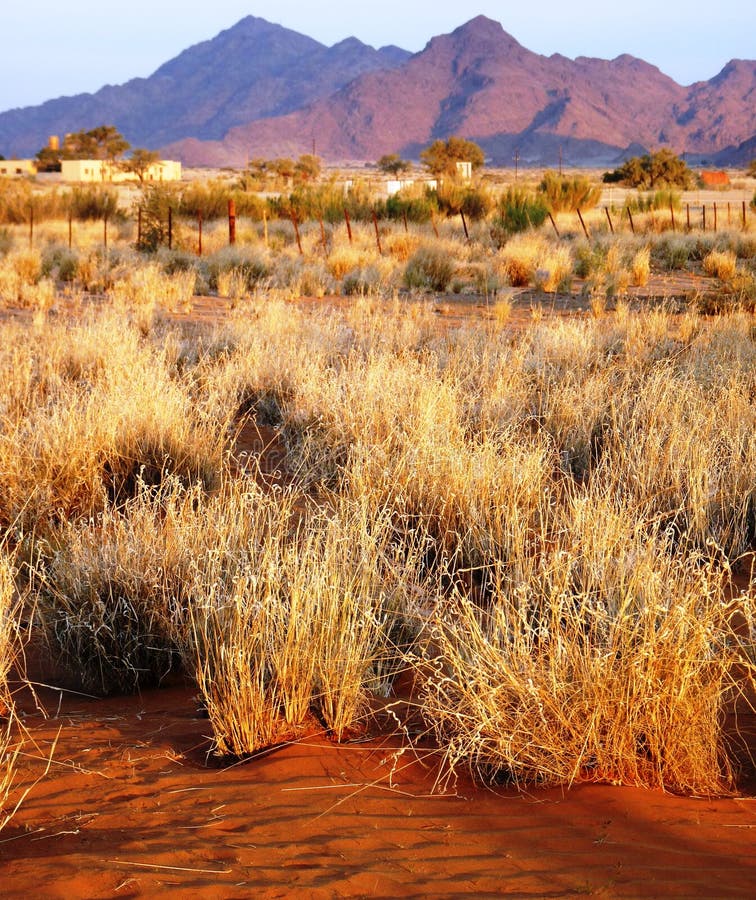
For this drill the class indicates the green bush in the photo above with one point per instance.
(418, 207)
(518, 210)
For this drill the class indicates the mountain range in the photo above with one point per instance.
(259, 89)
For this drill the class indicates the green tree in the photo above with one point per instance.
(653, 170)
(441, 157)
(393, 164)
(139, 162)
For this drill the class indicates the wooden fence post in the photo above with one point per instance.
(715, 215)
(231, 220)
(553, 225)
(70, 229)
(672, 213)
(609, 219)
(703, 216)
(630, 217)
(199, 232)
(265, 225)
(31, 225)
(295, 223)
(585, 230)
(170, 228)
(464, 225)
(377, 234)
(348, 224)
(139, 228)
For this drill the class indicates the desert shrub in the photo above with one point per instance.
(154, 202)
(613, 670)
(210, 200)
(252, 265)
(454, 198)
(91, 202)
(10, 744)
(567, 193)
(721, 264)
(418, 206)
(429, 268)
(517, 210)
(641, 266)
(18, 198)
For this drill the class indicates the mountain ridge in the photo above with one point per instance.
(258, 89)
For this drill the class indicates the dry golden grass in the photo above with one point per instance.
(541, 520)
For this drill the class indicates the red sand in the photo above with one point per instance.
(130, 808)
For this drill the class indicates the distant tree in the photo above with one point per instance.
(139, 162)
(393, 164)
(282, 167)
(48, 160)
(307, 167)
(653, 170)
(441, 157)
(104, 142)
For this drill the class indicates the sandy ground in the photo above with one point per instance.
(133, 805)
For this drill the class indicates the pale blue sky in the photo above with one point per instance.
(51, 48)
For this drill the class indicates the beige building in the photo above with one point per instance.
(17, 167)
(100, 170)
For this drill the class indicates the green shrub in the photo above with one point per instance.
(517, 211)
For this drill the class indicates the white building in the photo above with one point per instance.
(15, 168)
(101, 170)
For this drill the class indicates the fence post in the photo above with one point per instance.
(105, 230)
(672, 213)
(199, 232)
(715, 215)
(464, 225)
(31, 225)
(729, 218)
(609, 219)
(404, 216)
(295, 223)
(377, 234)
(585, 230)
(170, 228)
(231, 220)
(70, 229)
(703, 216)
(553, 225)
(139, 228)
(630, 217)
(265, 225)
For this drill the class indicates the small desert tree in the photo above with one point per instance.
(564, 193)
(139, 162)
(393, 164)
(441, 157)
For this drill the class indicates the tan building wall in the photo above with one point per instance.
(98, 171)
(17, 167)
